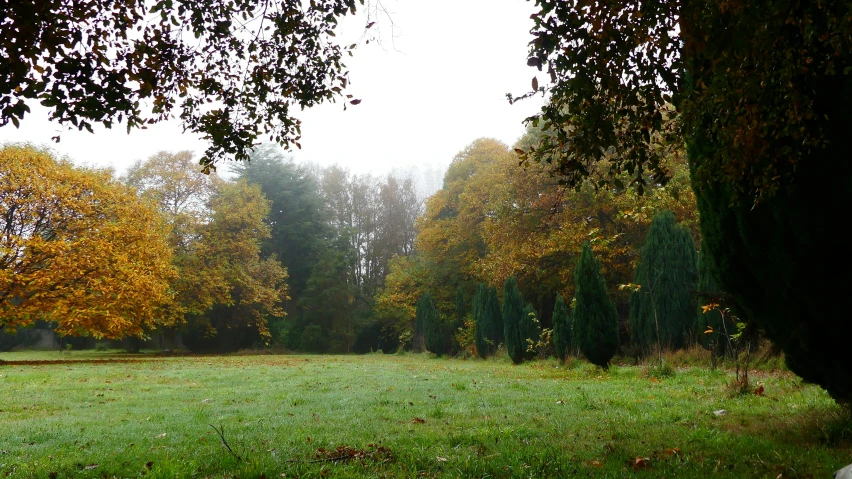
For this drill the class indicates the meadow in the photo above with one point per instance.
(102, 415)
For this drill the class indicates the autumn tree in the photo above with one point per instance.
(759, 91)
(78, 248)
(662, 310)
(562, 334)
(513, 312)
(233, 72)
(595, 317)
(239, 290)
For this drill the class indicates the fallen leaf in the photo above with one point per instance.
(161, 435)
(759, 391)
(641, 463)
(441, 459)
(91, 466)
(417, 420)
(720, 412)
(672, 451)
(594, 463)
(149, 464)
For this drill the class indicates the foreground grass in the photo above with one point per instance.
(404, 416)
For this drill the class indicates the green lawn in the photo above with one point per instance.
(403, 416)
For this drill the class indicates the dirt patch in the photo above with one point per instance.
(47, 362)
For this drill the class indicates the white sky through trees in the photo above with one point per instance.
(435, 82)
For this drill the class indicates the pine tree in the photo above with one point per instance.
(458, 322)
(433, 330)
(561, 328)
(530, 332)
(668, 275)
(482, 319)
(513, 311)
(595, 316)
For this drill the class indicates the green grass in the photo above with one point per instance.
(152, 418)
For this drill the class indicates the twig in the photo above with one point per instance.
(221, 432)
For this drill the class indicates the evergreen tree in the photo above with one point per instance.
(595, 317)
(482, 319)
(461, 312)
(561, 328)
(663, 310)
(530, 332)
(433, 330)
(495, 331)
(513, 312)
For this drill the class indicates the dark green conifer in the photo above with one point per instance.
(667, 273)
(513, 312)
(561, 328)
(482, 319)
(595, 316)
(433, 331)
(495, 331)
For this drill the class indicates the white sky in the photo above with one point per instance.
(429, 91)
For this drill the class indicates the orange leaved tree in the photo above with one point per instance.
(77, 248)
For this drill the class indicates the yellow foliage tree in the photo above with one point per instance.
(78, 248)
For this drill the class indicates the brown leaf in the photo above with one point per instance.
(759, 391)
(355, 101)
(417, 420)
(535, 84)
(594, 463)
(149, 464)
(641, 463)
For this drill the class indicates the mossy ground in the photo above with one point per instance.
(404, 416)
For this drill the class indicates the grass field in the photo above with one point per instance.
(402, 416)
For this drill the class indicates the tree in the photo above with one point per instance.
(561, 328)
(513, 312)
(495, 334)
(232, 289)
(233, 70)
(662, 311)
(78, 248)
(760, 93)
(298, 219)
(328, 304)
(595, 317)
(433, 330)
(482, 319)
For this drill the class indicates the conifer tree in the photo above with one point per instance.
(530, 332)
(595, 316)
(513, 312)
(495, 331)
(561, 328)
(482, 319)
(433, 330)
(453, 327)
(667, 273)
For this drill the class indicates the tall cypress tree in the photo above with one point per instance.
(561, 328)
(433, 330)
(495, 331)
(595, 316)
(453, 327)
(530, 332)
(668, 275)
(513, 312)
(482, 320)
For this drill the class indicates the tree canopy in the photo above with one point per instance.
(78, 248)
(232, 71)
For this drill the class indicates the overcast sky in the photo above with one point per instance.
(427, 91)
